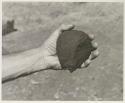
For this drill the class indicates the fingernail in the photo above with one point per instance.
(95, 45)
(72, 26)
(91, 36)
(83, 65)
(87, 62)
(96, 53)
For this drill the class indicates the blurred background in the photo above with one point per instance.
(35, 21)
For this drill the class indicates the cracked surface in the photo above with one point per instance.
(73, 48)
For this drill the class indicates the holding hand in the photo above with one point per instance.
(39, 58)
(49, 48)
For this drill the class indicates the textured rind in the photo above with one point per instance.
(73, 48)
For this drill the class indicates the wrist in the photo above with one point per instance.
(41, 62)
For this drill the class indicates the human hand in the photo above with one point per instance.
(49, 48)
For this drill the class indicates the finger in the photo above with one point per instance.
(83, 65)
(91, 36)
(66, 27)
(94, 54)
(94, 45)
(87, 62)
(54, 62)
(55, 35)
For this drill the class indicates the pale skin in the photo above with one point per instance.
(39, 58)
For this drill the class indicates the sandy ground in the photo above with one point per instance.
(102, 80)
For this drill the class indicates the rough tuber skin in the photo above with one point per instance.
(73, 48)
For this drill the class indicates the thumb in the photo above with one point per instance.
(62, 28)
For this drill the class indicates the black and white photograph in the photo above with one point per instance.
(62, 51)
